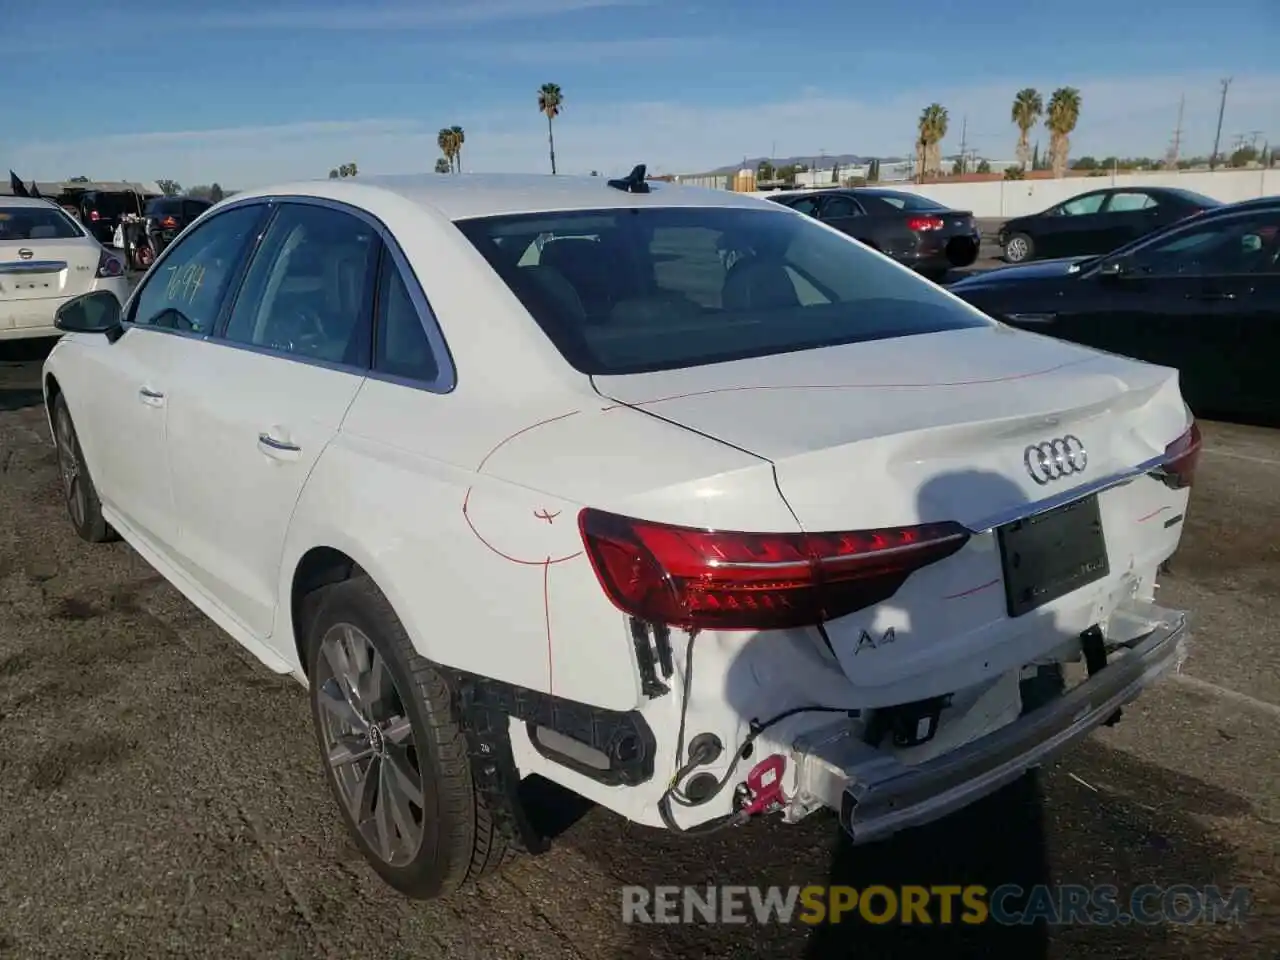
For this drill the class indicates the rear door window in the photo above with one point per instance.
(665, 288)
(1127, 201)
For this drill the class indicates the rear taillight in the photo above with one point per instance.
(919, 224)
(721, 580)
(94, 215)
(109, 265)
(169, 223)
(1181, 459)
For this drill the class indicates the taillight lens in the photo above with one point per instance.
(94, 215)
(919, 224)
(109, 265)
(1181, 458)
(724, 580)
(169, 223)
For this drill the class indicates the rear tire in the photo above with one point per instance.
(1019, 248)
(83, 506)
(393, 749)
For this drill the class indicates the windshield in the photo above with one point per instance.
(37, 223)
(636, 290)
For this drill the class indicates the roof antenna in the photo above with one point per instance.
(633, 182)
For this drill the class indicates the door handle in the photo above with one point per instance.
(1211, 295)
(277, 448)
(1042, 319)
(152, 398)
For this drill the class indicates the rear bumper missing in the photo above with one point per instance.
(877, 795)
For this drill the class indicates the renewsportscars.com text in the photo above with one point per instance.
(1008, 905)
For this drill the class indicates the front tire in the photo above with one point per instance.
(1019, 248)
(83, 506)
(393, 748)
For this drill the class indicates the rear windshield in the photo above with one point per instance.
(164, 206)
(635, 290)
(901, 201)
(111, 204)
(1198, 199)
(36, 223)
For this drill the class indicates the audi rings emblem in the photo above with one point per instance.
(1055, 459)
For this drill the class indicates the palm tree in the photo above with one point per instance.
(1028, 108)
(933, 128)
(1064, 114)
(445, 141)
(459, 138)
(550, 102)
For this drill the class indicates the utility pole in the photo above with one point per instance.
(1217, 137)
(964, 143)
(1174, 148)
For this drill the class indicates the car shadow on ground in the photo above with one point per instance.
(20, 362)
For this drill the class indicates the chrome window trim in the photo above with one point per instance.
(446, 379)
(1025, 510)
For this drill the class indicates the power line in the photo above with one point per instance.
(1217, 137)
(1172, 159)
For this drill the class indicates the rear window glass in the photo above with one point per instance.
(635, 290)
(1196, 199)
(36, 223)
(900, 201)
(111, 204)
(164, 207)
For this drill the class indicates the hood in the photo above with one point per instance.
(1022, 273)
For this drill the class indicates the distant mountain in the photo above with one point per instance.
(825, 161)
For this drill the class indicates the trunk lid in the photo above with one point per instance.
(858, 432)
(44, 269)
(935, 428)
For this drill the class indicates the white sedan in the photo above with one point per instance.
(46, 259)
(518, 477)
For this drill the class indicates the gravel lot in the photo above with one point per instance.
(160, 793)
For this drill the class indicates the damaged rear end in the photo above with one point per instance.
(969, 587)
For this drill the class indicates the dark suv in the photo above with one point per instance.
(100, 211)
(169, 216)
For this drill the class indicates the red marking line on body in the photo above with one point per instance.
(972, 590)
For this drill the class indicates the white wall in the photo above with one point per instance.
(1014, 198)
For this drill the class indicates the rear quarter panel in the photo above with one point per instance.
(464, 511)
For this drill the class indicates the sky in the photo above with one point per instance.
(246, 93)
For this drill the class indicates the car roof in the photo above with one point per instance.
(27, 202)
(463, 196)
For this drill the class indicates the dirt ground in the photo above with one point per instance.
(161, 794)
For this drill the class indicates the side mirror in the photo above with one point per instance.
(96, 312)
(1117, 268)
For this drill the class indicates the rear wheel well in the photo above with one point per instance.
(51, 390)
(319, 567)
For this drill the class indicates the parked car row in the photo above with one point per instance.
(921, 233)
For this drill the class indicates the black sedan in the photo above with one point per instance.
(1098, 221)
(1202, 296)
(916, 231)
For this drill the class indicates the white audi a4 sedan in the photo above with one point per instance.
(675, 497)
(46, 260)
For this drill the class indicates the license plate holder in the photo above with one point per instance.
(1048, 555)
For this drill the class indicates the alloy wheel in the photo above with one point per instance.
(1016, 250)
(370, 745)
(69, 470)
